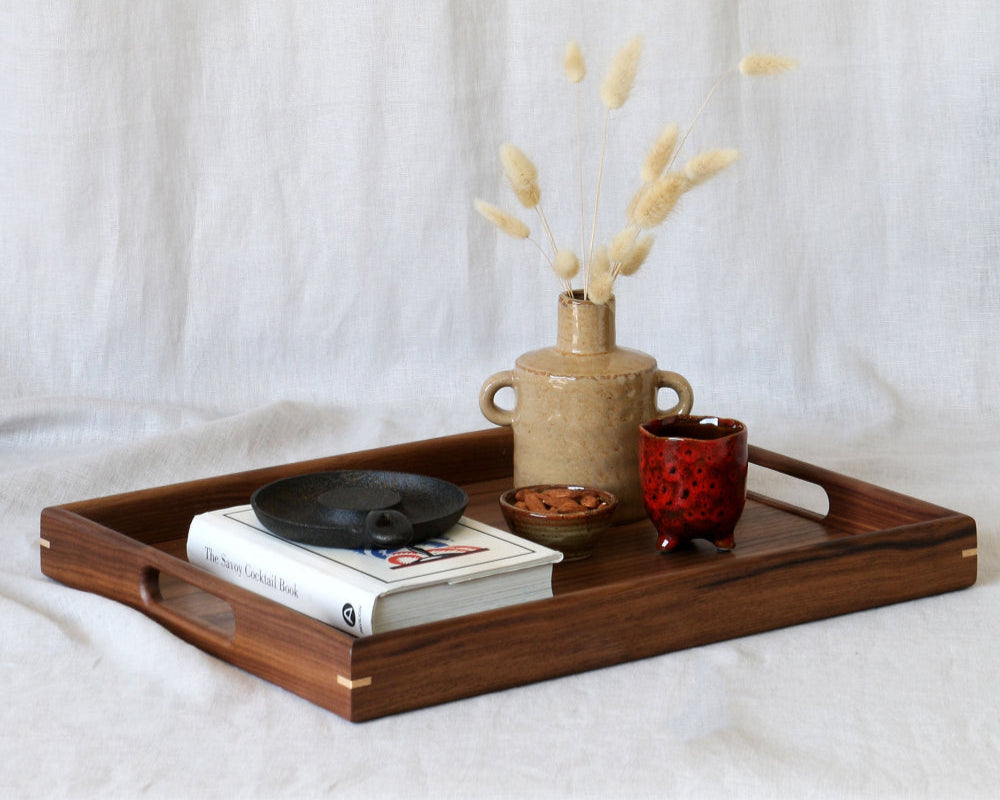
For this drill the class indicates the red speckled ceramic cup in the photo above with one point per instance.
(694, 478)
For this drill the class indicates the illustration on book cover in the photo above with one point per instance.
(424, 553)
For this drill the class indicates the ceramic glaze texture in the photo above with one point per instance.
(572, 534)
(579, 406)
(694, 472)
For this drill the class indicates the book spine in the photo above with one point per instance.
(284, 573)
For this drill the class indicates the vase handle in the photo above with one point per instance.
(487, 398)
(685, 394)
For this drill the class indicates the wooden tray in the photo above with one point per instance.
(626, 602)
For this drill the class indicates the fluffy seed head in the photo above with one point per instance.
(634, 202)
(509, 224)
(659, 154)
(522, 175)
(573, 63)
(660, 198)
(566, 264)
(621, 74)
(600, 264)
(764, 64)
(601, 287)
(637, 257)
(621, 246)
(704, 165)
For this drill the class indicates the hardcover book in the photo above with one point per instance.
(470, 568)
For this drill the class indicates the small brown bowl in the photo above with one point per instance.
(573, 534)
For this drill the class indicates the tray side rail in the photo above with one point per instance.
(164, 513)
(617, 622)
(854, 505)
(289, 649)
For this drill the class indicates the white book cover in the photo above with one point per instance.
(345, 588)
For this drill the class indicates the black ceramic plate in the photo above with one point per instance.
(359, 508)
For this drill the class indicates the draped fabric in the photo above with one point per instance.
(235, 234)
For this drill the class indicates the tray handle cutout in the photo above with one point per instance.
(789, 490)
(852, 503)
(192, 611)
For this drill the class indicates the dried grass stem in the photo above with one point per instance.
(716, 85)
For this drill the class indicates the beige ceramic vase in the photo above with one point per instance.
(578, 406)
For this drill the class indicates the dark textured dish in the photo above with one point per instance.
(359, 508)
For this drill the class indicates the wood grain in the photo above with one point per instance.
(627, 601)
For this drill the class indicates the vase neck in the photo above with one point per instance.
(585, 327)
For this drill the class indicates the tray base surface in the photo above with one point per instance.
(627, 601)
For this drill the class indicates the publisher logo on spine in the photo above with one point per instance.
(349, 614)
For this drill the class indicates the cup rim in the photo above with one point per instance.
(737, 427)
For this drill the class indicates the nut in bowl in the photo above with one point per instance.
(564, 517)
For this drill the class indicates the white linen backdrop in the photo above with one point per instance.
(241, 233)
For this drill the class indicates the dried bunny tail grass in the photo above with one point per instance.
(659, 154)
(704, 165)
(522, 175)
(601, 287)
(621, 246)
(614, 92)
(565, 264)
(509, 224)
(600, 264)
(637, 257)
(634, 202)
(764, 64)
(576, 68)
(756, 64)
(621, 74)
(659, 200)
(573, 63)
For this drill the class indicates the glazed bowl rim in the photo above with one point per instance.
(610, 503)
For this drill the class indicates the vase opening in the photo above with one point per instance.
(585, 328)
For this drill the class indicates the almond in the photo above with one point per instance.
(590, 500)
(535, 503)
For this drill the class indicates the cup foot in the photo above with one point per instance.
(724, 541)
(668, 542)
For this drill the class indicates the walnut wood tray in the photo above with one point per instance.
(628, 601)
